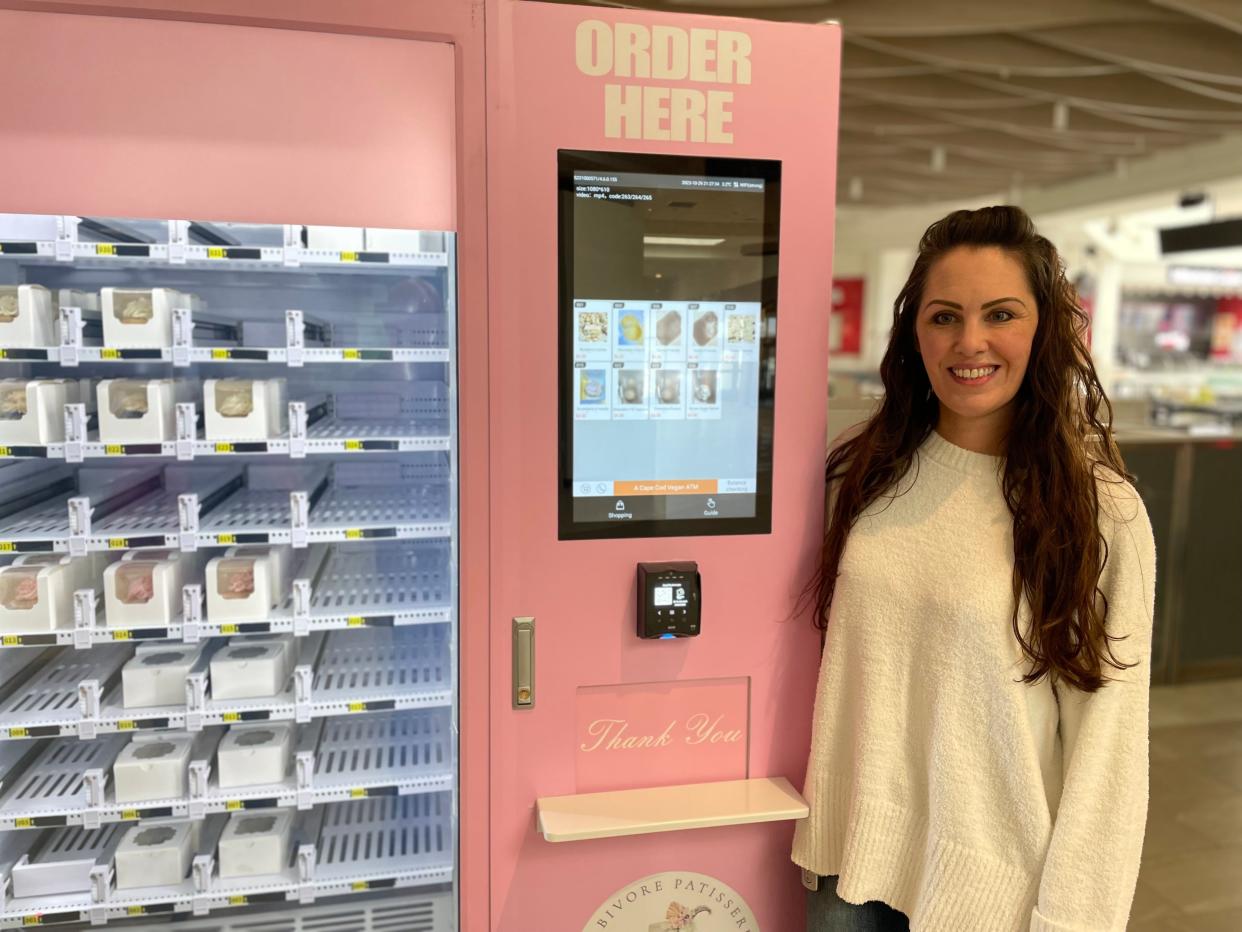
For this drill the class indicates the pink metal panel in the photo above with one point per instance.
(226, 123)
(385, 189)
(582, 594)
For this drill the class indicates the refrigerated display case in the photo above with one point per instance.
(228, 643)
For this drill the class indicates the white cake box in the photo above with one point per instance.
(254, 844)
(249, 669)
(341, 239)
(36, 598)
(84, 572)
(141, 317)
(141, 593)
(244, 409)
(34, 411)
(245, 584)
(152, 767)
(27, 316)
(287, 642)
(154, 854)
(137, 410)
(156, 675)
(255, 753)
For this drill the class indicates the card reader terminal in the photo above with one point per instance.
(670, 602)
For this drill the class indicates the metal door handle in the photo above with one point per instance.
(524, 662)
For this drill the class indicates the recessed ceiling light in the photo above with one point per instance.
(683, 240)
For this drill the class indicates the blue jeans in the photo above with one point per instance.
(827, 912)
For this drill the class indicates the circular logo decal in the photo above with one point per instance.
(674, 901)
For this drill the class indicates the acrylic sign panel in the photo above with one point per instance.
(658, 734)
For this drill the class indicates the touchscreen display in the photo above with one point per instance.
(667, 345)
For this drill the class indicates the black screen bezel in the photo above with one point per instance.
(570, 161)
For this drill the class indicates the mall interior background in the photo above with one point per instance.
(1111, 122)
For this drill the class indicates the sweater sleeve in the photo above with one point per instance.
(1092, 862)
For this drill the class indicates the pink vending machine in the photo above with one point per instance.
(450, 329)
(661, 197)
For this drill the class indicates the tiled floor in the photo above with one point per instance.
(1191, 877)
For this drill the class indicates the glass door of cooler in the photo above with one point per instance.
(228, 575)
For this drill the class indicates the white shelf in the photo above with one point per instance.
(352, 757)
(342, 848)
(232, 354)
(242, 516)
(668, 809)
(351, 586)
(222, 258)
(345, 672)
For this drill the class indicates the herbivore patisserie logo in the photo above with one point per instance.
(674, 901)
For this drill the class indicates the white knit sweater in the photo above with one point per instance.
(938, 782)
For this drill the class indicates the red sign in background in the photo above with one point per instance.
(845, 329)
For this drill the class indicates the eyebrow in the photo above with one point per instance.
(986, 305)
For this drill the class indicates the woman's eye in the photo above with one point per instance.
(1008, 315)
(942, 318)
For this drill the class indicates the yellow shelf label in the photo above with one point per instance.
(349, 354)
(135, 910)
(219, 354)
(105, 249)
(357, 793)
(126, 724)
(238, 901)
(18, 732)
(4, 451)
(349, 257)
(216, 252)
(353, 444)
(122, 635)
(32, 920)
(357, 707)
(353, 534)
(230, 716)
(128, 815)
(118, 543)
(355, 621)
(11, 640)
(23, 823)
(224, 448)
(109, 354)
(7, 546)
(228, 629)
(233, 805)
(360, 885)
(113, 449)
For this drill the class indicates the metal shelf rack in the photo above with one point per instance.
(75, 693)
(340, 848)
(361, 486)
(62, 781)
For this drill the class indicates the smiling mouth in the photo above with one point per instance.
(974, 375)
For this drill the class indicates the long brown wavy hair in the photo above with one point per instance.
(1058, 447)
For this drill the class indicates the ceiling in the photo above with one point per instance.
(957, 99)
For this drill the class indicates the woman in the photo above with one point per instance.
(979, 751)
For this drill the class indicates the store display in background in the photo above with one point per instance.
(1227, 331)
(845, 324)
(1155, 333)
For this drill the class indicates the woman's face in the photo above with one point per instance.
(976, 322)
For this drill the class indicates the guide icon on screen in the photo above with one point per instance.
(711, 503)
